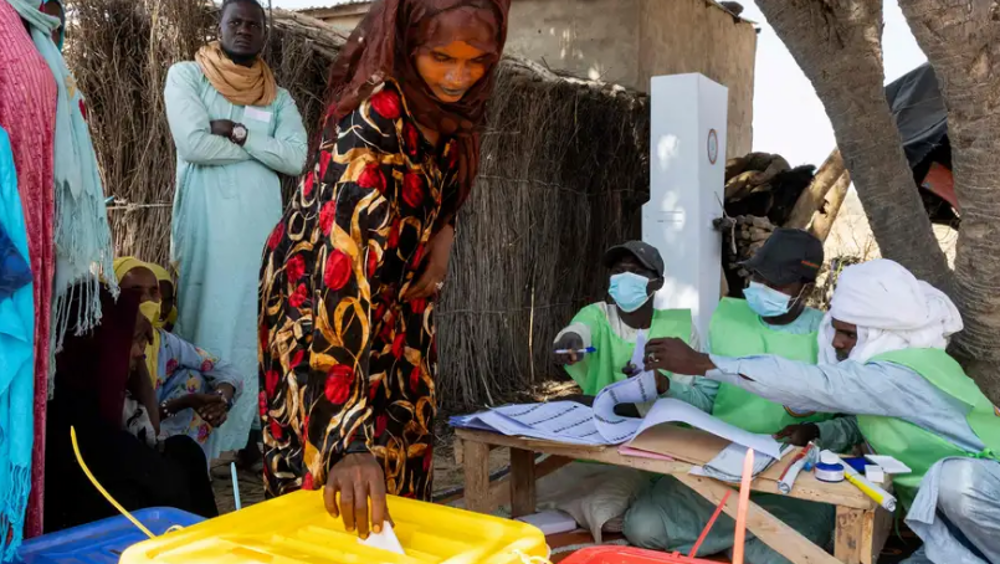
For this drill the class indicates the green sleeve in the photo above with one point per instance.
(700, 394)
(840, 434)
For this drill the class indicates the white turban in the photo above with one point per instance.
(892, 310)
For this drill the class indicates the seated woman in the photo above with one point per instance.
(168, 303)
(96, 373)
(194, 390)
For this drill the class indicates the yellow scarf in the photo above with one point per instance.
(243, 86)
(163, 276)
(123, 266)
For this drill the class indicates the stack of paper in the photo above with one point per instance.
(727, 466)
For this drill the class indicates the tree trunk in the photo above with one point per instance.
(823, 222)
(962, 41)
(814, 200)
(837, 43)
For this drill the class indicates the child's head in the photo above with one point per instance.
(166, 299)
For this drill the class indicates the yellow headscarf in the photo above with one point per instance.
(151, 310)
(163, 276)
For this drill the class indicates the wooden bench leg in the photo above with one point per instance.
(850, 536)
(477, 476)
(522, 483)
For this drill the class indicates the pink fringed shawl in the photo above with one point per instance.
(28, 114)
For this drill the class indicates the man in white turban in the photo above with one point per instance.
(882, 350)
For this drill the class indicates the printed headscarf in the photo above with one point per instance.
(383, 46)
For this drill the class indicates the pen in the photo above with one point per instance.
(588, 350)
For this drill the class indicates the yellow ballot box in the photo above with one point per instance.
(296, 529)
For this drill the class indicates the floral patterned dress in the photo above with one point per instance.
(346, 364)
(185, 369)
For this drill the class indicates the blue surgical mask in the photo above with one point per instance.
(766, 301)
(629, 290)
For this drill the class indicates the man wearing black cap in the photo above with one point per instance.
(773, 319)
(608, 329)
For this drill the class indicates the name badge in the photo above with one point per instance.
(257, 114)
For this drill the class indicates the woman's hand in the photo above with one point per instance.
(213, 408)
(357, 478)
(435, 270)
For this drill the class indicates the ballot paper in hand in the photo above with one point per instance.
(614, 428)
(386, 540)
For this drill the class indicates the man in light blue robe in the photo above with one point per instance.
(235, 131)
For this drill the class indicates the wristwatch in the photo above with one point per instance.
(239, 134)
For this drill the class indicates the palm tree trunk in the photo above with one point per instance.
(962, 41)
(837, 43)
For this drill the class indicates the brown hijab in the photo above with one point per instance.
(383, 46)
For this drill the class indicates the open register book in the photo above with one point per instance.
(671, 428)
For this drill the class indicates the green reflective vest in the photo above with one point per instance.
(736, 331)
(919, 448)
(613, 353)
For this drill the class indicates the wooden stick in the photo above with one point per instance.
(739, 538)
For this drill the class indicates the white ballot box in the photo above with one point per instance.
(686, 188)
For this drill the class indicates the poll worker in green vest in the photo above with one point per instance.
(608, 329)
(773, 319)
(883, 358)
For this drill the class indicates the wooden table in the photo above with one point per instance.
(862, 526)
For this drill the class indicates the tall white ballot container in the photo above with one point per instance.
(687, 181)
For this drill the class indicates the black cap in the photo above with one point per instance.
(643, 252)
(788, 256)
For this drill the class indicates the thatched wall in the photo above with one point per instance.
(564, 173)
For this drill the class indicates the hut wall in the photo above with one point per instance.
(687, 36)
(629, 41)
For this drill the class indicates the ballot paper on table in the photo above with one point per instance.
(574, 423)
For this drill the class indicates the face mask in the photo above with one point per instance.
(767, 302)
(629, 291)
(151, 311)
(172, 318)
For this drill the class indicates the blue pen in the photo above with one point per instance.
(588, 350)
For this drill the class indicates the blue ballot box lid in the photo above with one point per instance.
(102, 542)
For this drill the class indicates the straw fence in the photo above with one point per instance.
(564, 172)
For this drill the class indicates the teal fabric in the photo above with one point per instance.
(670, 516)
(17, 359)
(82, 235)
(227, 202)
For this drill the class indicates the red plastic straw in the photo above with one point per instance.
(708, 527)
(741, 510)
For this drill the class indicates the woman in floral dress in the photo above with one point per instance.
(350, 274)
